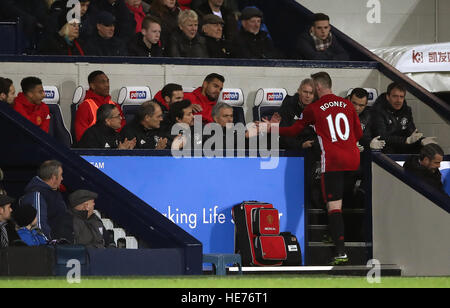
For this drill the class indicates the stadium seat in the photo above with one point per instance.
(130, 98)
(118, 234)
(108, 224)
(234, 98)
(57, 126)
(188, 89)
(131, 242)
(267, 102)
(78, 98)
(373, 95)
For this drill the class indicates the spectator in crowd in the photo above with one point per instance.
(319, 43)
(29, 103)
(359, 98)
(42, 192)
(104, 135)
(125, 25)
(104, 42)
(88, 21)
(5, 216)
(291, 110)
(145, 128)
(88, 228)
(205, 97)
(96, 96)
(252, 42)
(137, 11)
(393, 121)
(187, 42)
(65, 41)
(7, 91)
(426, 165)
(167, 11)
(147, 42)
(212, 30)
(217, 8)
(25, 217)
(171, 93)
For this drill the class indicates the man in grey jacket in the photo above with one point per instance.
(88, 228)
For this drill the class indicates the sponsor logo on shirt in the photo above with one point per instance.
(138, 95)
(276, 96)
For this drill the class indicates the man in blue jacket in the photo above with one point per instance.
(53, 216)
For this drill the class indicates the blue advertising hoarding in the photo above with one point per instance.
(198, 193)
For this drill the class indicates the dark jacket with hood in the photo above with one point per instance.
(54, 218)
(394, 126)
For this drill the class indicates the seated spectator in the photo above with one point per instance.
(42, 192)
(29, 103)
(171, 93)
(88, 228)
(145, 128)
(137, 11)
(217, 8)
(5, 216)
(124, 22)
(96, 96)
(88, 21)
(64, 42)
(7, 91)
(393, 121)
(167, 11)
(212, 30)
(25, 217)
(204, 98)
(147, 42)
(186, 42)
(319, 43)
(104, 43)
(251, 42)
(104, 135)
(426, 165)
(359, 98)
(290, 111)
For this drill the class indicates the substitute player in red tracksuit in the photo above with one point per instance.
(338, 128)
(29, 103)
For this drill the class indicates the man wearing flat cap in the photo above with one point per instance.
(88, 228)
(5, 216)
(104, 42)
(252, 42)
(212, 30)
(217, 8)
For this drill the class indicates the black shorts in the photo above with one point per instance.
(333, 185)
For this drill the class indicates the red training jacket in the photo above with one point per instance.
(37, 114)
(196, 97)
